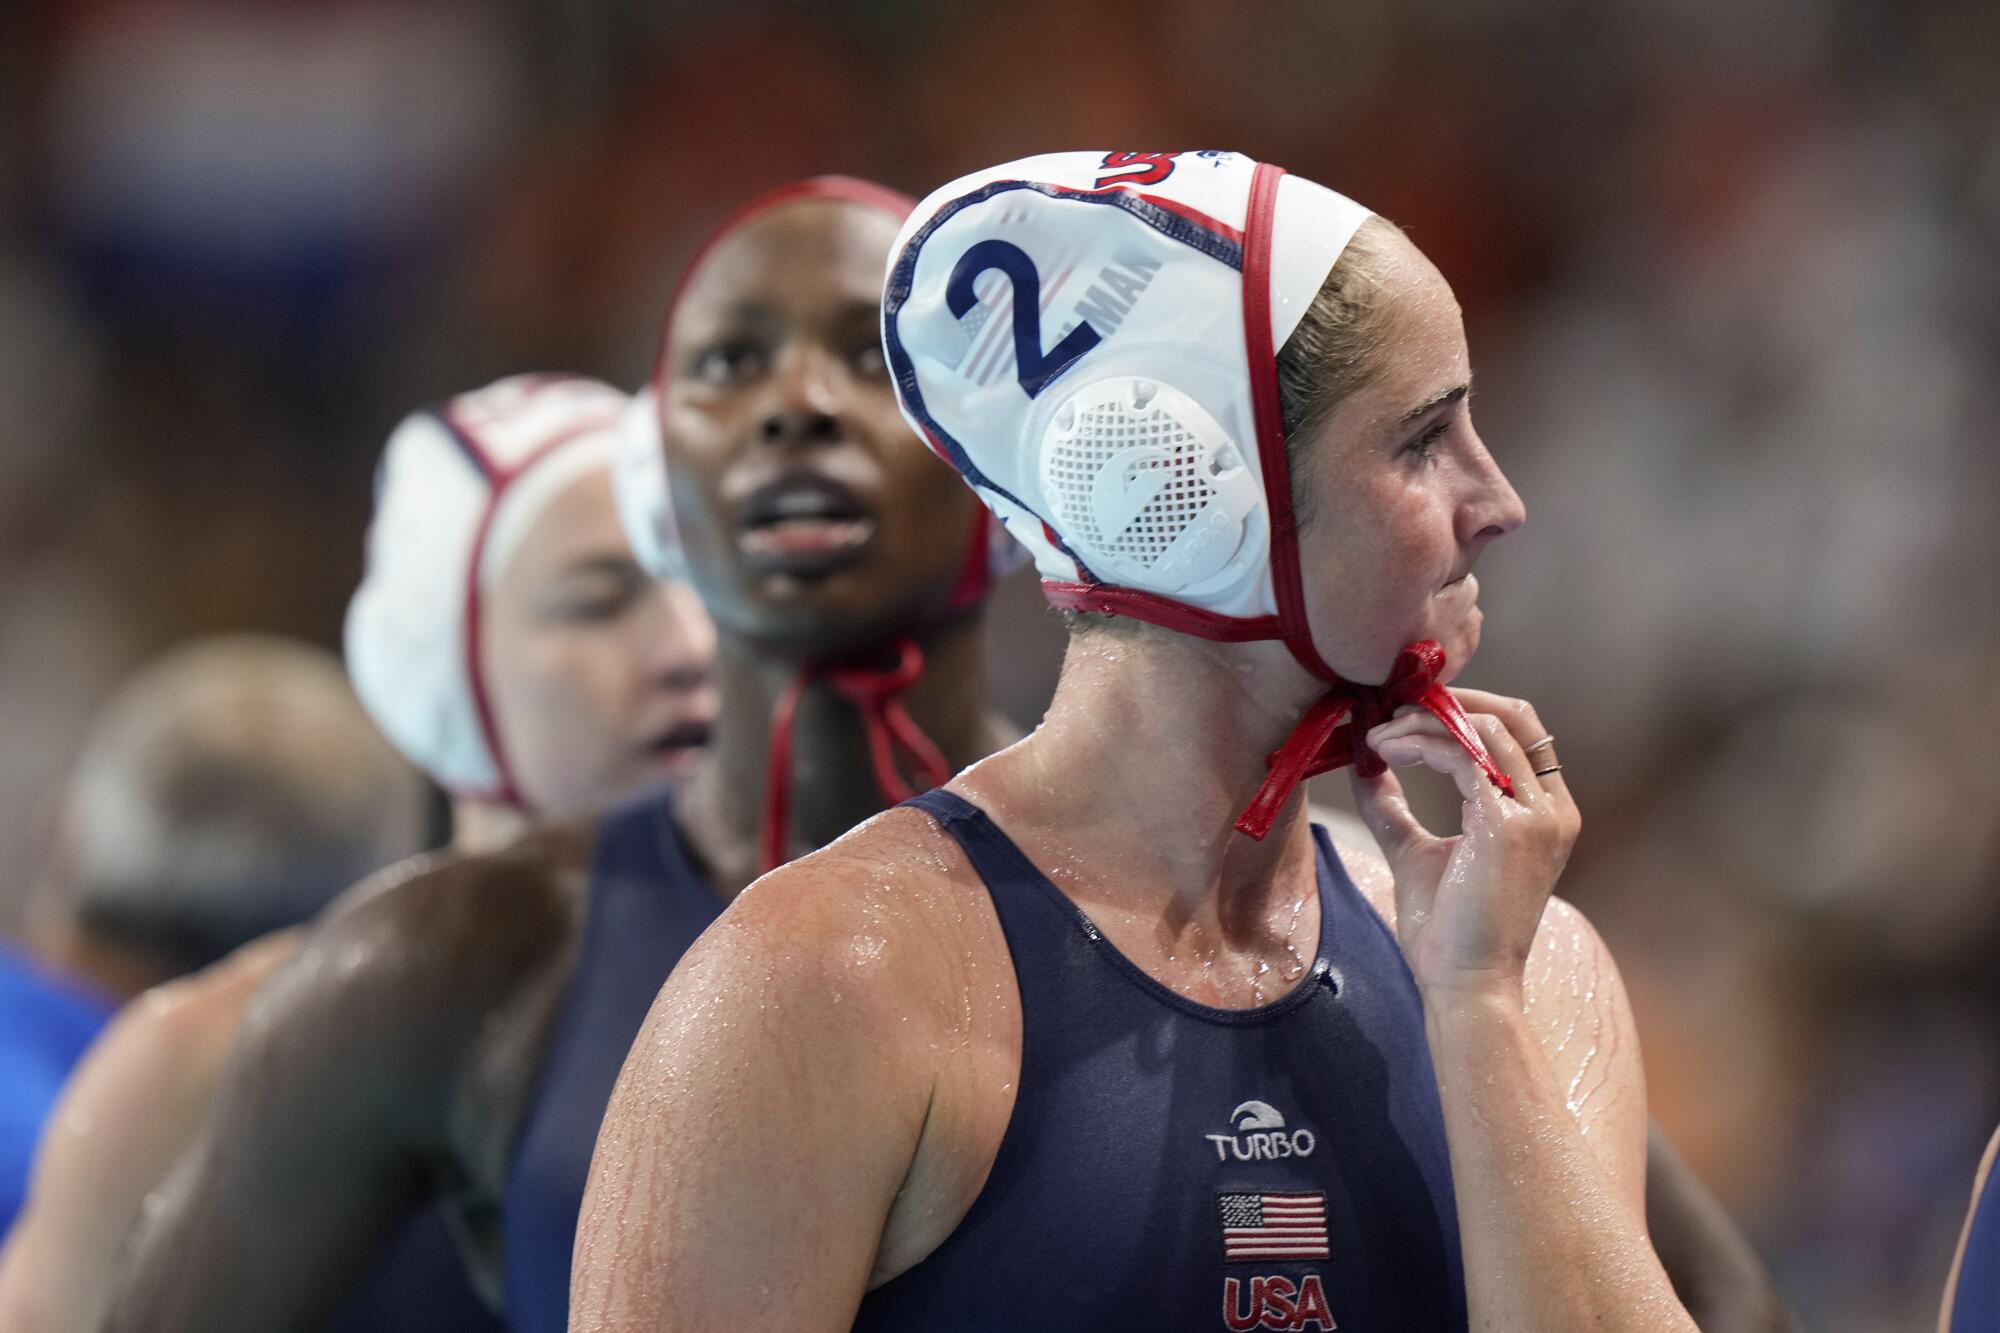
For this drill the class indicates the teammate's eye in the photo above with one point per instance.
(598, 597)
(727, 362)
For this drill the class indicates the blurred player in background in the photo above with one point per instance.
(228, 790)
(495, 996)
(502, 627)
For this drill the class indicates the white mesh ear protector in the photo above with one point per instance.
(1149, 489)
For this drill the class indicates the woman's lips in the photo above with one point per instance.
(677, 745)
(805, 524)
(798, 545)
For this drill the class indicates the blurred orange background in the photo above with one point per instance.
(1729, 272)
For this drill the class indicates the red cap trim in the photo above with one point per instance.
(1286, 583)
(1158, 610)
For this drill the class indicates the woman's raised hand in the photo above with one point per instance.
(1467, 906)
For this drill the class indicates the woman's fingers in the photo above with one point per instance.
(1435, 749)
(1518, 714)
(1528, 729)
(1500, 744)
(1386, 811)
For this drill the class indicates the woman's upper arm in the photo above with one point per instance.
(760, 1130)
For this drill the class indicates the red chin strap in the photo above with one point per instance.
(1318, 744)
(875, 694)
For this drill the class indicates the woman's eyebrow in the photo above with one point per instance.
(1432, 404)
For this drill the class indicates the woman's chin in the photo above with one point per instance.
(1459, 646)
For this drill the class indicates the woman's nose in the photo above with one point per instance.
(1495, 508)
(806, 406)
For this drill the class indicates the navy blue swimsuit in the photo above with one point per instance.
(647, 905)
(1976, 1308)
(1170, 1166)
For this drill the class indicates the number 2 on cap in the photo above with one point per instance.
(1033, 367)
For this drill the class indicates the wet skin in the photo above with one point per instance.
(876, 974)
(600, 680)
(403, 1043)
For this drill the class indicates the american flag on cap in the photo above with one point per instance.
(1272, 1226)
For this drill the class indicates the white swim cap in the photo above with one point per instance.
(1091, 340)
(459, 486)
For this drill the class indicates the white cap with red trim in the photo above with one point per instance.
(458, 488)
(1089, 339)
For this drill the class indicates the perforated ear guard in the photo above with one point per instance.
(1150, 489)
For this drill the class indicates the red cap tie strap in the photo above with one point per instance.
(875, 694)
(1320, 744)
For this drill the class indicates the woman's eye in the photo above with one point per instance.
(1424, 447)
(869, 362)
(726, 363)
(591, 610)
(596, 611)
(600, 602)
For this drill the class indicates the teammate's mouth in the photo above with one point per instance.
(805, 524)
(677, 744)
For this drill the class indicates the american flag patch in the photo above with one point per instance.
(1272, 1226)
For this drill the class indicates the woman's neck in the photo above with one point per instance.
(721, 806)
(1154, 745)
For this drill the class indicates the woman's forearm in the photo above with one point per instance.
(1549, 1245)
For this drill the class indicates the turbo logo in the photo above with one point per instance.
(1276, 1302)
(1261, 1136)
(1142, 168)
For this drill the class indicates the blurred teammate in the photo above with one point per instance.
(506, 640)
(1091, 1056)
(495, 996)
(231, 788)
